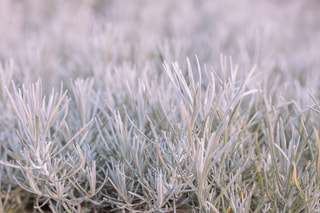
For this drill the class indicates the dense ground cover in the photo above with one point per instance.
(159, 106)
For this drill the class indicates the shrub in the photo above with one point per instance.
(105, 111)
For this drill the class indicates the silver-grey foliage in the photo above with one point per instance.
(105, 107)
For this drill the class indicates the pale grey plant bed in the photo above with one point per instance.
(211, 145)
(102, 117)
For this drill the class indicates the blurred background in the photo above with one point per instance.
(58, 40)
